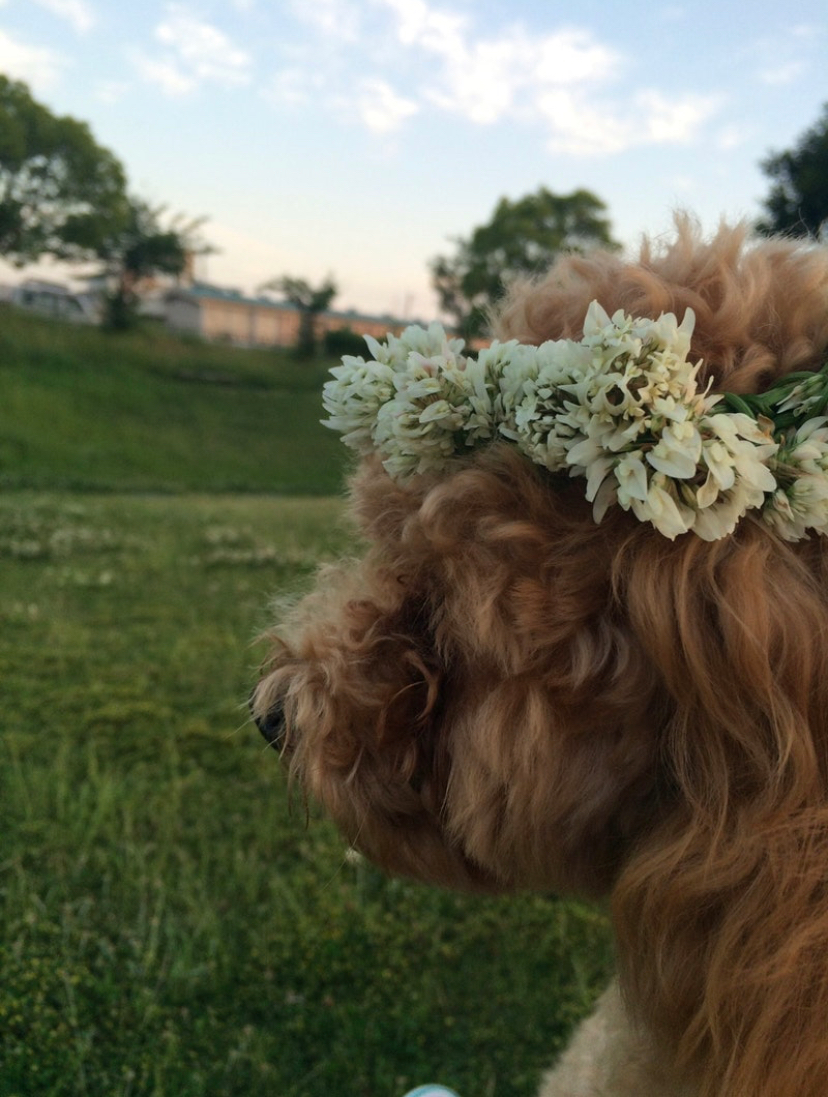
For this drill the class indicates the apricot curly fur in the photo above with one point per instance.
(500, 694)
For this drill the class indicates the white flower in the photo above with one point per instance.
(353, 399)
(736, 447)
(512, 365)
(632, 475)
(810, 446)
(718, 519)
(428, 343)
(442, 402)
(592, 443)
(801, 502)
(533, 400)
(678, 451)
(596, 474)
(663, 508)
(721, 474)
(799, 508)
(809, 501)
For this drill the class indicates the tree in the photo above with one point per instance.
(309, 301)
(139, 250)
(522, 237)
(61, 193)
(798, 202)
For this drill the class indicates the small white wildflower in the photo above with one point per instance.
(663, 508)
(431, 342)
(746, 447)
(801, 502)
(678, 450)
(809, 449)
(353, 399)
(719, 518)
(597, 472)
(633, 479)
(441, 402)
(800, 507)
(533, 400)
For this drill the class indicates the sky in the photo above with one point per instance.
(359, 138)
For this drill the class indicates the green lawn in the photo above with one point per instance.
(173, 926)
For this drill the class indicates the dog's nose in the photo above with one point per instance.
(271, 724)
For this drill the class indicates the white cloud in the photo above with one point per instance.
(381, 108)
(730, 137)
(433, 30)
(573, 56)
(492, 78)
(577, 127)
(339, 19)
(672, 13)
(37, 66)
(785, 73)
(77, 12)
(673, 121)
(486, 78)
(196, 52)
(294, 86)
(786, 57)
(560, 79)
(684, 184)
(580, 128)
(203, 48)
(111, 91)
(165, 74)
(808, 31)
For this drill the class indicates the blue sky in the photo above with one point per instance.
(357, 137)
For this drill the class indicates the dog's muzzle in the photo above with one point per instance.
(271, 724)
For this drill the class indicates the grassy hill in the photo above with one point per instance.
(148, 411)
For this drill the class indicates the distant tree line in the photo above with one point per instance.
(64, 195)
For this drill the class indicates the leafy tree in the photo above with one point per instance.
(522, 237)
(309, 301)
(798, 201)
(139, 250)
(61, 193)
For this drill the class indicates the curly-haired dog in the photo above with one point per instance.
(504, 694)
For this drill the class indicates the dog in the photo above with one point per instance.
(502, 693)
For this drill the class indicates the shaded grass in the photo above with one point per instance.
(172, 927)
(148, 411)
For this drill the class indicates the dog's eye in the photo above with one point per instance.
(272, 725)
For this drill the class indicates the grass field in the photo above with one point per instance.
(172, 925)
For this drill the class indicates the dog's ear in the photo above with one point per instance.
(548, 702)
(722, 911)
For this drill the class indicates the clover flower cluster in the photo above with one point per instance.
(620, 408)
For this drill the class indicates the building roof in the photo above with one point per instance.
(201, 290)
(218, 293)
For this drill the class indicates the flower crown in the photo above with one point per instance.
(620, 408)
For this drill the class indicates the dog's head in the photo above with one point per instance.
(500, 693)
